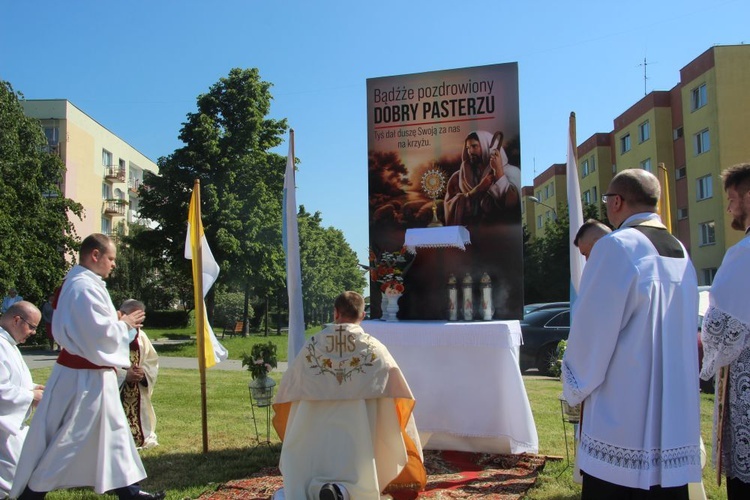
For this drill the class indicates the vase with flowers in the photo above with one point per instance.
(260, 362)
(388, 269)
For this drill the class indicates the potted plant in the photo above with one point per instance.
(260, 362)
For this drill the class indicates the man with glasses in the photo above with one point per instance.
(18, 394)
(632, 356)
(79, 435)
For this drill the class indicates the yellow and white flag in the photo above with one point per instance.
(205, 272)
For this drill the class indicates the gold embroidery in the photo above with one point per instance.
(346, 366)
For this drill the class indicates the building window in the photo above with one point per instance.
(593, 194)
(625, 143)
(707, 232)
(53, 135)
(709, 274)
(593, 165)
(644, 131)
(106, 191)
(646, 165)
(699, 97)
(701, 142)
(677, 133)
(538, 221)
(106, 226)
(680, 173)
(587, 197)
(682, 213)
(704, 188)
(548, 215)
(106, 158)
(585, 168)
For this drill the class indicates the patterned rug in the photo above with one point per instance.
(450, 474)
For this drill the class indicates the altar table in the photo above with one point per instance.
(466, 381)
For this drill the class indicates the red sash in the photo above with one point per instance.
(77, 362)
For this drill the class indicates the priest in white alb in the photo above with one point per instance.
(344, 414)
(18, 394)
(632, 354)
(79, 435)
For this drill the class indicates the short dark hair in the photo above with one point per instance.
(590, 223)
(737, 177)
(96, 241)
(350, 305)
(130, 305)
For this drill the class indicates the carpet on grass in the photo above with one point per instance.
(450, 474)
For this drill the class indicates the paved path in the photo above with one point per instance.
(45, 358)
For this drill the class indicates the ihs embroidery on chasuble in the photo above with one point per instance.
(337, 355)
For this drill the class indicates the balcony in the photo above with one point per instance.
(133, 185)
(115, 207)
(113, 173)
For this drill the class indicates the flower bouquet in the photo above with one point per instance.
(389, 270)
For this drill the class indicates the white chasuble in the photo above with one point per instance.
(344, 413)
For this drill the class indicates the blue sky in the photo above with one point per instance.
(138, 66)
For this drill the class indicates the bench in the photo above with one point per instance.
(233, 329)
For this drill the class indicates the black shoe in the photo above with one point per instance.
(145, 495)
(330, 491)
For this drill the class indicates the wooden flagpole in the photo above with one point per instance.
(196, 237)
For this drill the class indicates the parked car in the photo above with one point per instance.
(543, 305)
(542, 329)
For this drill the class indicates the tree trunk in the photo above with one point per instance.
(265, 334)
(245, 322)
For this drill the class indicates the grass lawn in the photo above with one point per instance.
(179, 466)
(236, 345)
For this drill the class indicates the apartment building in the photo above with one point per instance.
(103, 171)
(694, 130)
(549, 195)
(595, 169)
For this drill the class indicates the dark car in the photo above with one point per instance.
(543, 305)
(542, 330)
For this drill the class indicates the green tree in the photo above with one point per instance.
(39, 240)
(329, 266)
(141, 276)
(227, 147)
(547, 259)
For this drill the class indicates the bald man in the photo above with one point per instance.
(18, 394)
(632, 356)
(588, 234)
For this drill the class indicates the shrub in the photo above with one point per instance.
(167, 319)
(228, 308)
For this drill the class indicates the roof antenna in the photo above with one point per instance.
(645, 64)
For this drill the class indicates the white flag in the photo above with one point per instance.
(290, 235)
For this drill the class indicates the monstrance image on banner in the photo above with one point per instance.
(444, 150)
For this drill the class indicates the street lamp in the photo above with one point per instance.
(539, 202)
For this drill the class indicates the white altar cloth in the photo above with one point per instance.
(433, 237)
(466, 381)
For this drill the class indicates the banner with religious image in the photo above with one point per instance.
(444, 150)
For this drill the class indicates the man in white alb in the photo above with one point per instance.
(726, 338)
(79, 435)
(18, 394)
(632, 356)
